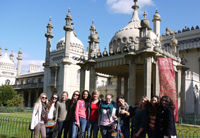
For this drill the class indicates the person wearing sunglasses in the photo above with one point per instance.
(51, 112)
(40, 116)
(165, 123)
(61, 113)
(71, 112)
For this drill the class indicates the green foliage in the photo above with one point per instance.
(9, 97)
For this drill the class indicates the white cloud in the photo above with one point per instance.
(124, 6)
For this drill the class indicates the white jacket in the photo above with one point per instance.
(36, 116)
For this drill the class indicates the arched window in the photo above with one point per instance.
(78, 77)
(7, 82)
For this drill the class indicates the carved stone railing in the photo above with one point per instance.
(27, 86)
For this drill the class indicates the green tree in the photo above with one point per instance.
(9, 97)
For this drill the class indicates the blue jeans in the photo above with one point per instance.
(63, 125)
(151, 133)
(60, 128)
(48, 134)
(83, 123)
(92, 125)
(125, 131)
(106, 131)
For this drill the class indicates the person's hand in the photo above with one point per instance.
(114, 117)
(137, 134)
(78, 124)
(122, 112)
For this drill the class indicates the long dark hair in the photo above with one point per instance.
(154, 109)
(120, 97)
(72, 101)
(87, 101)
(51, 101)
(170, 103)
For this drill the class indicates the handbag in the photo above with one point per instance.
(51, 123)
(117, 133)
(80, 133)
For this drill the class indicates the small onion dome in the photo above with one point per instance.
(156, 16)
(145, 22)
(105, 53)
(20, 51)
(94, 38)
(99, 53)
(92, 26)
(69, 15)
(50, 24)
(173, 41)
(11, 54)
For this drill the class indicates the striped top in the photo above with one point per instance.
(152, 119)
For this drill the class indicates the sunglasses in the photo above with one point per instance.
(76, 94)
(54, 98)
(44, 97)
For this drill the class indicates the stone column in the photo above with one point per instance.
(178, 88)
(65, 76)
(132, 82)
(82, 79)
(29, 98)
(126, 88)
(183, 91)
(156, 83)
(119, 84)
(147, 76)
(92, 85)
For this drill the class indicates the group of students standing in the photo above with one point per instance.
(89, 113)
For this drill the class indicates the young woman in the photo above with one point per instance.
(51, 112)
(40, 116)
(61, 113)
(165, 124)
(124, 116)
(71, 112)
(108, 116)
(153, 109)
(81, 113)
(141, 118)
(93, 115)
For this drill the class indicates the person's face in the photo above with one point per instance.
(143, 101)
(54, 98)
(164, 102)
(154, 101)
(64, 97)
(75, 95)
(85, 95)
(108, 99)
(121, 102)
(95, 96)
(44, 98)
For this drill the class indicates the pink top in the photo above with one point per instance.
(81, 110)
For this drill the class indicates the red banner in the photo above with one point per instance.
(168, 81)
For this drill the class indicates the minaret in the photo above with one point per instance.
(93, 42)
(156, 23)
(11, 56)
(68, 28)
(19, 58)
(49, 36)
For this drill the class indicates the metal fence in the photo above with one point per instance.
(189, 119)
(18, 127)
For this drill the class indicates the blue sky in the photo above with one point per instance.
(23, 22)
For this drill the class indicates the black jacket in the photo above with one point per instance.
(165, 124)
(89, 110)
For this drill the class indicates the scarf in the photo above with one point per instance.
(126, 107)
(44, 113)
(107, 106)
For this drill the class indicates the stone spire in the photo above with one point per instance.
(11, 56)
(68, 28)
(49, 37)
(19, 58)
(135, 18)
(156, 23)
(93, 42)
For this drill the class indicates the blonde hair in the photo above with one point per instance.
(39, 100)
(95, 92)
(146, 105)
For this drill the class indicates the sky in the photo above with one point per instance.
(23, 22)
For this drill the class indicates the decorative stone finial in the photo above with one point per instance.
(50, 19)
(145, 15)
(6, 49)
(69, 10)
(93, 21)
(105, 53)
(135, 6)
